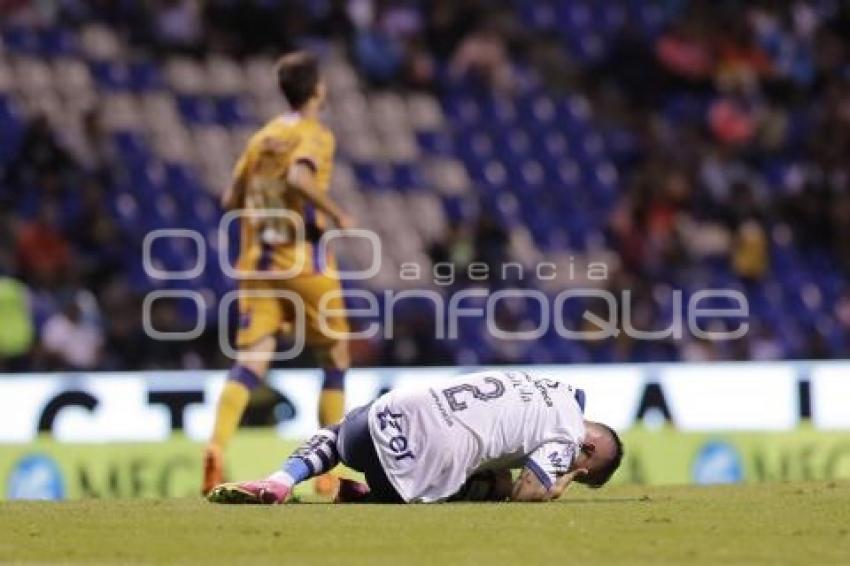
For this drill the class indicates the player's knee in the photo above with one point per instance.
(334, 356)
(245, 375)
(333, 379)
(258, 356)
(354, 442)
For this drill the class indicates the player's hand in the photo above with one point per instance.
(344, 222)
(562, 482)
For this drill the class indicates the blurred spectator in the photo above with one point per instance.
(43, 253)
(39, 154)
(700, 350)
(414, 343)
(491, 246)
(98, 240)
(7, 243)
(741, 64)
(842, 309)
(16, 331)
(483, 55)
(456, 249)
(380, 58)
(685, 52)
(72, 338)
(750, 254)
(177, 24)
(126, 343)
(764, 345)
(503, 350)
(365, 352)
(387, 42)
(733, 121)
(449, 21)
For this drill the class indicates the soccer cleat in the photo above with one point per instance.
(213, 469)
(326, 485)
(262, 492)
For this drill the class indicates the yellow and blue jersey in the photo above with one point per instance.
(268, 244)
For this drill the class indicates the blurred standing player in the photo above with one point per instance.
(286, 166)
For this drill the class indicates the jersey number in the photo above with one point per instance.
(456, 404)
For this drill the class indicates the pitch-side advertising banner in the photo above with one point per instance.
(47, 469)
(150, 406)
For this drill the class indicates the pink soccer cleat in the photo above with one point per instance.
(262, 492)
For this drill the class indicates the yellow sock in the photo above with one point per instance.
(331, 406)
(234, 398)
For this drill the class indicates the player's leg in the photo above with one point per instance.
(315, 457)
(357, 451)
(349, 442)
(325, 332)
(247, 374)
(334, 361)
(259, 321)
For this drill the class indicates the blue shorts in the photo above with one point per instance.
(357, 451)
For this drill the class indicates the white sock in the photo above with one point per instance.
(282, 477)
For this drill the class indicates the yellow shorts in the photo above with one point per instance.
(267, 308)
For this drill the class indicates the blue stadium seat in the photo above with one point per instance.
(21, 40)
(112, 75)
(232, 111)
(435, 143)
(376, 175)
(145, 76)
(197, 109)
(407, 176)
(56, 41)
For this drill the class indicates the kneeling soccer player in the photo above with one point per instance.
(428, 445)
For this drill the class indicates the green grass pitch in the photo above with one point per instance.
(795, 523)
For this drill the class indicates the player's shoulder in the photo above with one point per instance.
(278, 126)
(290, 130)
(321, 131)
(286, 130)
(269, 130)
(317, 139)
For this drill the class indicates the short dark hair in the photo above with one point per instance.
(601, 476)
(298, 77)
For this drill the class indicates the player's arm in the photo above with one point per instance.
(302, 179)
(234, 195)
(546, 473)
(529, 488)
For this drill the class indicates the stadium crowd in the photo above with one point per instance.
(728, 127)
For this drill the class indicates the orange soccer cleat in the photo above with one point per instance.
(326, 485)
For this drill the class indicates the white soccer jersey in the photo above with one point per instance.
(430, 441)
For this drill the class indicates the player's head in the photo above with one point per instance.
(299, 79)
(601, 454)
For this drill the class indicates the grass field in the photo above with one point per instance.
(769, 524)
